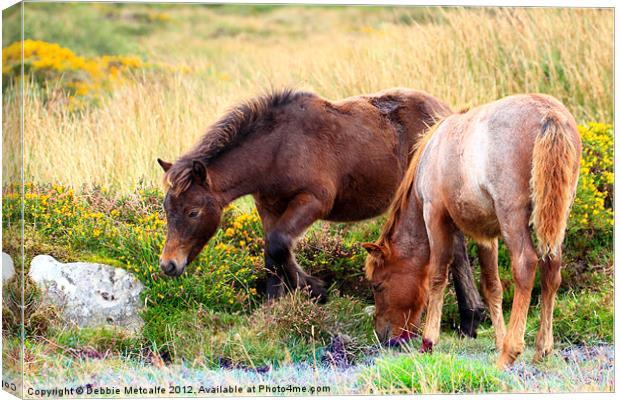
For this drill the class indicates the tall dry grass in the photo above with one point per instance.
(464, 56)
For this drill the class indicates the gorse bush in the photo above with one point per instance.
(78, 80)
(590, 227)
(334, 254)
(592, 211)
(48, 63)
(219, 291)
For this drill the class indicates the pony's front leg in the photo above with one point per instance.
(275, 285)
(441, 254)
(300, 213)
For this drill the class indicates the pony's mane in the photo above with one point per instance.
(403, 193)
(401, 198)
(227, 133)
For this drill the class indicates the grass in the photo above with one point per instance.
(101, 340)
(439, 373)
(467, 365)
(591, 316)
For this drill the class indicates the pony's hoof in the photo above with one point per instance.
(274, 292)
(320, 297)
(470, 320)
(540, 355)
(505, 361)
(427, 346)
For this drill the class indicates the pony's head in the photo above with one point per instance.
(192, 211)
(399, 290)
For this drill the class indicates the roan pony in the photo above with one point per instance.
(302, 158)
(491, 171)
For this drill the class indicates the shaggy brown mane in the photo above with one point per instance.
(227, 133)
(403, 193)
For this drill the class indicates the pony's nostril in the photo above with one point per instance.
(168, 267)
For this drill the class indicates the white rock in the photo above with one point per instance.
(8, 269)
(89, 295)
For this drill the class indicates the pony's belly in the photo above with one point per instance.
(360, 209)
(366, 194)
(476, 219)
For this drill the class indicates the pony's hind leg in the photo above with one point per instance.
(550, 279)
(523, 258)
(442, 251)
(491, 287)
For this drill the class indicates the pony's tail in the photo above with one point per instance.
(552, 186)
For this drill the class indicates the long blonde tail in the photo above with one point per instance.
(552, 184)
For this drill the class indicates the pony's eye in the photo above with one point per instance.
(377, 287)
(193, 214)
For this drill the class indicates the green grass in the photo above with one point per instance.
(464, 364)
(102, 339)
(581, 317)
(585, 317)
(436, 373)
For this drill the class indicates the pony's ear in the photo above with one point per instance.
(164, 164)
(199, 171)
(376, 250)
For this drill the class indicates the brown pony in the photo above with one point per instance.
(302, 158)
(488, 172)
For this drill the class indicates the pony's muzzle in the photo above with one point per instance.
(384, 333)
(170, 267)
